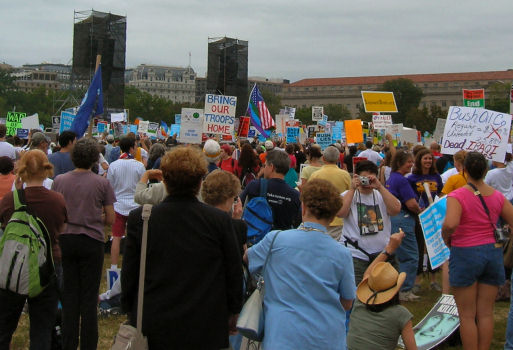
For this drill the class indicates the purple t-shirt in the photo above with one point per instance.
(417, 183)
(85, 194)
(399, 186)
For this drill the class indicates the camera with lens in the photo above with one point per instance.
(364, 180)
(499, 234)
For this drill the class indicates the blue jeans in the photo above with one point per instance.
(407, 253)
(509, 329)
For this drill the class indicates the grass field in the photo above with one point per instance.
(108, 327)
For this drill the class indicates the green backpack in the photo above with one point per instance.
(26, 263)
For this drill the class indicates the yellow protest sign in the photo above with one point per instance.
(379, 101)
(354, 132)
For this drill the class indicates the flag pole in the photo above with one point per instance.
(90, 128)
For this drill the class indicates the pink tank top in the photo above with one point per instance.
(475, 227)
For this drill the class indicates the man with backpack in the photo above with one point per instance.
(283, 201)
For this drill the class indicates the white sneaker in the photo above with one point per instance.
(408, 296)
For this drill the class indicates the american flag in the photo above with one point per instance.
(257, 106)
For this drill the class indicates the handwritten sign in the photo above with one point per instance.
(191, 126)
(281, 119)
(394, 129)
(292, 134)
(143, 126)
(381, 121)
(317, 113)
(324, 140)
(477, 129)
(379, 101)
(66, 121)
(13, 122)
(431, 221)
(474, 98)
(219, 114)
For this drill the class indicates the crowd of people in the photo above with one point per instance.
(345, 247)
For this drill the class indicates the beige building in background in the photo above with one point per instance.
(177, 84)
(444, 89)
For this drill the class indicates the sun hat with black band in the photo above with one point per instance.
(381, 285)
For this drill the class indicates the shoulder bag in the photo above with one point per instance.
(128, 337)
(251, 319)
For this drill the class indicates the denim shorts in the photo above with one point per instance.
(482, 263)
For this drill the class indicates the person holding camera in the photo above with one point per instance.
(367, 209)
(476, 264)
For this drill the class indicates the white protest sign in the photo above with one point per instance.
(291, 111)
(31, 122)
(439, 130)
(381, 121)
(394, 129)
(143, 126)
(152, 129)
(477, 129)
(219, 114)
(431, 221)
(191, 125)
(117, 117)
(281, 125)
(317, 113)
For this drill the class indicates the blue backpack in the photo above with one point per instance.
(258, 215)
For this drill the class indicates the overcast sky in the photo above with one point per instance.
(291, 39)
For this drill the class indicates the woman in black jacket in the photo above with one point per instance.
(193, 282)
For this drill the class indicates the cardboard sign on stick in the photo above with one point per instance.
(354, 132)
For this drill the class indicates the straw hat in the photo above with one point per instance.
(381, 285)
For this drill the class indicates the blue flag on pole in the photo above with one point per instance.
(91, 105)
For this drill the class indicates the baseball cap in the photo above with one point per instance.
(269, 145)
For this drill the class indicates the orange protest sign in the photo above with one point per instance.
(354, 132)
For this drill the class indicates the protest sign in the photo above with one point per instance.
(394, 129)
(30, 122)
(323, 140)
(3, 121)
(13, 122)
(281, 119)
(474, 98)
(101, 126)
(354, 133)
(219, 114)
(379, 101)
(133, 128)
(292, 134)
(252, 132)
(117, 117)
(66, 121)
(143, 126)
(56, 123)
(381, 121)
(477, 129)
(439, 129)
(431, 221)
(243, 127)
(178, 119)
(152, 129)
(191, 125)
(438, 325)
(22, 133)
(336, 131)
(292, 124)
(291, 111)
(317, 113)
(175, 129)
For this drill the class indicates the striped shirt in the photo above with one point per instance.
(123, 175)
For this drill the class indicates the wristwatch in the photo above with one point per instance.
(389, 256)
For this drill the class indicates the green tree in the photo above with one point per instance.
(6, 81)
(407, 97)
(498, 95)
